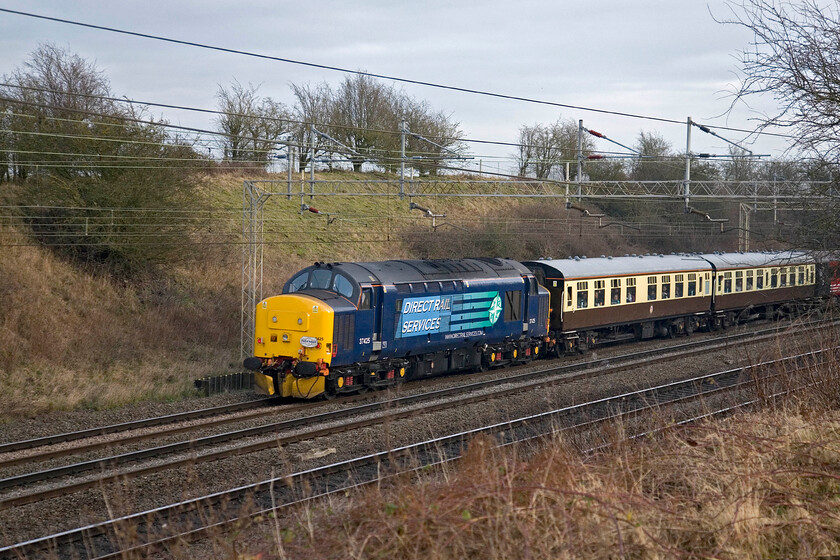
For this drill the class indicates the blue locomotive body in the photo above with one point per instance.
(400, 319)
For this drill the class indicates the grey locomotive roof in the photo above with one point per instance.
(399, 271)
(722, 261)
(619, 266)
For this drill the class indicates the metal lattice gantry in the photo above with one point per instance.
(536, 188)
(256, 193)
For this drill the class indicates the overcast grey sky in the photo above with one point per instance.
(661, 58)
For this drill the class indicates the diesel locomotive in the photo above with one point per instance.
(347, 327)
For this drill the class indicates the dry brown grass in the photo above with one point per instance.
(69, 338)
(760, 485)
(757, 486)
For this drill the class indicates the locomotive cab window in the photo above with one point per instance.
(298, 282)
(343, 285)
(367, 296)
(320, 279)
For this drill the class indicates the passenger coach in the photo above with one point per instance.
(607, 299)
(760, 285)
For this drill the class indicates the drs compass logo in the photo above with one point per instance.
(495, 310)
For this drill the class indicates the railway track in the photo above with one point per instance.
(46, 448)
(33, 486)
(717, 393)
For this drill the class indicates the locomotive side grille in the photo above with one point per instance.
(543, 311)
(345, 325)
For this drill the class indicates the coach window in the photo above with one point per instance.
(652, 282)
(679, 285)
(749, 280)
(801, 276)
(810, 274)
(783, 277)
(630, 296)
(666, 287)
(615, 291)
(727, 282)
(759, 280)
(600, 293)
(774, 278)
(583, 295)
(569, 299)
(692, 284)
(739, 280)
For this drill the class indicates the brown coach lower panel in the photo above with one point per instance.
(743, 300)
(600, 317)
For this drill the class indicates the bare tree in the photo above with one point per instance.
(440, 136)
(544, 148)
(251, 125)
(795, 59)
(313, 107)
(78, 149)
(362, 114)
(53, 102)
(657, 161)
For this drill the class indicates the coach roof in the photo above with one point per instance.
(723, 261)
(582, 267)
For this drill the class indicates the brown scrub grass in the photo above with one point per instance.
(72, 339)
(759, 484)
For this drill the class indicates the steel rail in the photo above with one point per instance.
(45, 441)
(127, 426)
(499, 387)
(335, 477)
(532, 380)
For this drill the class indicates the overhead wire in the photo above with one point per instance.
(360, 72)
(194, 130)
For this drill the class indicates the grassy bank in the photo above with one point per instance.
(76, 333)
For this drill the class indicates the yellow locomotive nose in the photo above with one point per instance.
(293, 340)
